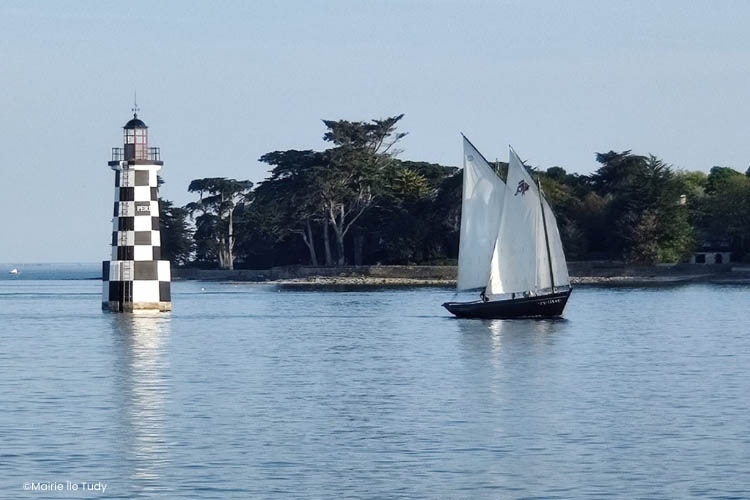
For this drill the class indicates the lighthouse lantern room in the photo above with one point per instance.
(136, 277)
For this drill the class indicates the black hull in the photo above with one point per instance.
(541, 306)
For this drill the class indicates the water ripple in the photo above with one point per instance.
(246, 392)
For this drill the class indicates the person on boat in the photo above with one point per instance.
(483, 296)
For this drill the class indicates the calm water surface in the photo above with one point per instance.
(260, 392)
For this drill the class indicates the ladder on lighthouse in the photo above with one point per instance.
(126, 267)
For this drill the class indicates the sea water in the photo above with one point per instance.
(260, 391)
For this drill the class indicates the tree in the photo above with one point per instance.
(399, 224)
(218, 199)
(719, 176)
(725, 211)
(415, 211)
(445, 216)
(175, 231)
(557, 174)
(290, 197)
(569, 211)
(176, 234)
(349, 184)
(256, 246)
(648, 223)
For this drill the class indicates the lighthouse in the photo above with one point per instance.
(136, 277)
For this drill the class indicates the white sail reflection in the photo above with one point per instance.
(501, 337)
(143, 337)
(538, 331)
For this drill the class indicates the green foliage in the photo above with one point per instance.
(556, 174)
(219, 197)
(725, 210)
(568, 211)
(356, 202)
(644, 209)
(404, 227)
(376, 137)
(176, 233)
(354, 177)
(289, 202)
(720, 177)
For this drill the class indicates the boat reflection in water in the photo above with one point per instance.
(539, 332)
(142, 389)
(500, 337)
(510, 364)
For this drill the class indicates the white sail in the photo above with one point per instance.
(519, 261)
(483, 193)
(559, 266)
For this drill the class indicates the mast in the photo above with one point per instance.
(546, 237)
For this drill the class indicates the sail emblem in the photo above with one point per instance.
(523, 186)
(470, 157)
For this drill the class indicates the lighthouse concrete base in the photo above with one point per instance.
(115, 306)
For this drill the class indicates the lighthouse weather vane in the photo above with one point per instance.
(135, 109)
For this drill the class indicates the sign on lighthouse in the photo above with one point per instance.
(136, 277)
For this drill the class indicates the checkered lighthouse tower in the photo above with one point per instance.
(136, 277)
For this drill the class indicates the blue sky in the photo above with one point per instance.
(221, 83)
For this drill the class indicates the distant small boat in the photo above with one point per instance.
(14, 271)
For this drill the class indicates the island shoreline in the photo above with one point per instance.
(581, 274)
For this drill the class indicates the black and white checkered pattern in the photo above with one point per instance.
(136, 277)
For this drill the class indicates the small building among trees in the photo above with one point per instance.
(712, 250)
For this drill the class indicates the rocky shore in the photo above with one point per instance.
(584, 273)
(361, 281)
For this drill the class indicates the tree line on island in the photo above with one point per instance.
(358, 203)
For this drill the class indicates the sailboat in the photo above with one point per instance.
(509, 244)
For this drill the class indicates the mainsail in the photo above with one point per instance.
(521, 261)
(483, 193)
